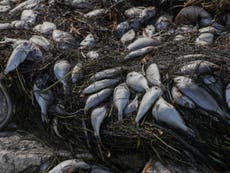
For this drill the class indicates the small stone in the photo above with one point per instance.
(205, 39)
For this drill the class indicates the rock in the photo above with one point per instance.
(205, 39)
(18, 153)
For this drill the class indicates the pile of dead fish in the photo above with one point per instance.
(203, 90)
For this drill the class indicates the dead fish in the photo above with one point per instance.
(69, 166)
(132, 106)
(134, 12)
(198, 67)
(122, 28)
(4, 8)
(149, 31)
(199, 95)
(29, 16)
(98, 85)
(213, 84)
(147, 102)
(97, 98)
(19, 24)
(163, 22)
(95, 13)
(79, 4)
(181, 99)
(208, 29)
(205, 39)
(193, 15)
(14, 42)
(29, 4)
(92, 55)
(77, 73)
(166, 113)
(61, 70)
(128, 36)
(137, 81)
(143, 42)
(97, 169)
(44, 99)
(153, 75)
(121, 96)
(148, 13)
(97, 117)
(64, 39)
(108, 73)
(20, 53)
(179, 38)
(89, 41)
(40, 41)
(156, 167)
(4, 26)
(45, 28)
(139, 52)
(227, 95)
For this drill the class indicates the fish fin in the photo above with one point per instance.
(120, 115)
(45, 118)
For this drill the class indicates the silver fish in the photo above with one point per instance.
(64, 39)
(139, 52)
(40, 41)
(98, 85)
(153, 75)
(227, 95)
(14, 42)
(19, 24)
(122, 28)
(163, 22)
(20, 53)
(44, 100)
(89, 41)
(61, 70)
(97, 169)
(148, 13)
(97, 98)
(77, 73)
(205, 39)
(147, 101)
(92, 55)
(149, 31)
(166, 113)
(4, 8)
(45, 28)
(198, 67)
(29, 16)
(97, 117)
(128, 36)
(213, 84)
(108, 73)
(4, 26)
(134, 12)
(95, 13)
(132, 106)
(69, 165)
(181, 99)
(143, 42)
(199, 95)
(137, 81)
(121, 96)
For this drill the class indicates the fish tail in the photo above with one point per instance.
(120, 115)
(44, 117)
(66, 89)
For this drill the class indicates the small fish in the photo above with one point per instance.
(148, 13)
(97, 169)
(134, 12)
(147, 101)
(64, 39)
(137, 82)
(163, 23)
(45, 28)
(132, 106)
(29, 16)
(198, 67)
(122, 28)
(181, 99)
(149, 31)
(121, 96)
(92, 55)
(4, 8)
(69, 165)
(19, 24)
(97, 117)
(14, 42)
(153, 75)
(199, 95)
(214, 85)
(61, 69)
(95, 13)
(44, 99)
(77, 73)
(19, 55)
(139, 52)
(40, 41)
(108, 73)
(97, 98)
(143, 42)
(205, 39)
(4, 26)
(98, 85)
(89, 41)
(166, 113)
(227, 95)
(128, 36)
